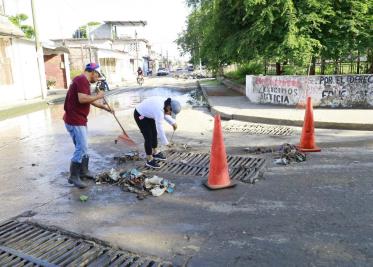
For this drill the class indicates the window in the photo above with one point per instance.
(6, 77)
(108, 65)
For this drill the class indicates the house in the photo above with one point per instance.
(19, 72)
(126, 36)
(115, 64)
(57, 65)
(138, 51)
(118, 53)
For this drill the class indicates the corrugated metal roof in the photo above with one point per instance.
(127, 22)
(8, 29)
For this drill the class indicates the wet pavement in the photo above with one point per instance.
(316, 213)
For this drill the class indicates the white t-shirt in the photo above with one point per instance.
(152, 108)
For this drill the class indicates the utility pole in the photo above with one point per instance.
(39, 54)
(168, 63)
(200, 61)
(137, 52)
(2, 7)
(87, 29)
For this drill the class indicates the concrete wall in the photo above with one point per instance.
(355, 91)
(239, 88)
(55, 69)
(122, 69)
(80, 56)
(102, 31)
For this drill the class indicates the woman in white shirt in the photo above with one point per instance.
(149, 116)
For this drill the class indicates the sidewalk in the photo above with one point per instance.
(27, 106)
(230, 105)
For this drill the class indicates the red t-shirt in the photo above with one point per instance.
(75, 112)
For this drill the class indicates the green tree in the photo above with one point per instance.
(346, 31)
(284, 31)
(81, 32)
(18, 21)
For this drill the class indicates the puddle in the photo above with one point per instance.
(129, 99)
(49, 120)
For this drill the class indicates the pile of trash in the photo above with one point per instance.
(283, 155)
(288, 153)
(197, 99)
(136, 182)
(129, 156)
(175, 147)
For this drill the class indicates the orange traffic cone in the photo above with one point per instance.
(218, 174)
(307, 140)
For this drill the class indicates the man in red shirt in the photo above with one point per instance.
(77, 105)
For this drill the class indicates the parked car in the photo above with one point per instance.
(162, 72)
(190, 68)
(179, 69)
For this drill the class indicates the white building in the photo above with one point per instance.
(126, 36)
(19, 75)
(115, 64)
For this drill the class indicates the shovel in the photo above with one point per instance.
(123, 137)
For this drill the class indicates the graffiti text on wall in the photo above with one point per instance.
(360, 79)
(276, 94)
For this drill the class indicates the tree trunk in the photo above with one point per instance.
(351, 62)
(370, 59)
(278, 68)
(336, 66)
(265, 67)
(313, 66)
(322, 66)
(220, 71)
(340, 67)
(358, 62)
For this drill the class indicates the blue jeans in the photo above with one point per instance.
(79, 136)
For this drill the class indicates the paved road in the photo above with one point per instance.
(316, 213)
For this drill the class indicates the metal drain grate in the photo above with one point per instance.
(245, 169)
(27, 244)
(259, 129)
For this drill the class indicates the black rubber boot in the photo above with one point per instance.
(74, 175)
(84, 172)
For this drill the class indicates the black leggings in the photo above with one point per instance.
(149, 131)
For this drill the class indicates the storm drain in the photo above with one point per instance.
(27, 244)
(245, 169)
(259, 129)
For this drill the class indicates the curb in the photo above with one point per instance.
(276, 121)
(239, 88)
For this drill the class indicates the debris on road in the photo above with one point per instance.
(283, 155)
(83, 198)
(175, 146)
(129, 156)
(136, 182)
(281, 161)
(197, 99)
(290, 153)
(114, 175)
